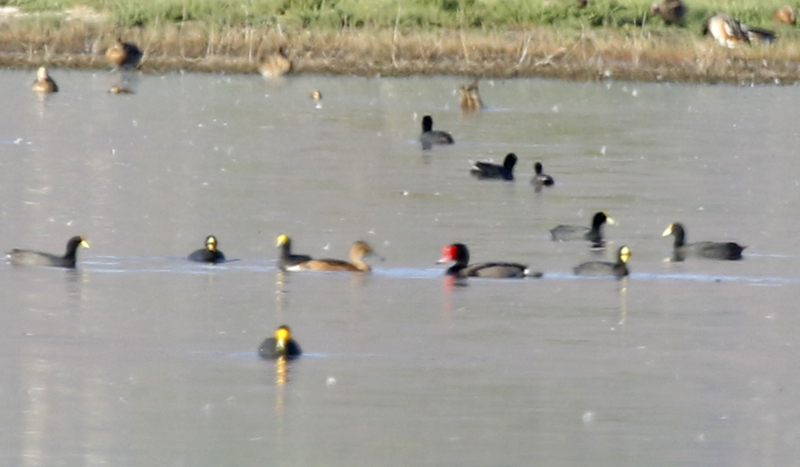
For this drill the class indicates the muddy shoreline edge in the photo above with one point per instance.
(591, 55)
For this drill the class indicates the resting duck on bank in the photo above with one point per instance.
(671, 11)
(729, 33)
(123, 54)
(275, 65)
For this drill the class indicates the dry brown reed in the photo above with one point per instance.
(592, 54)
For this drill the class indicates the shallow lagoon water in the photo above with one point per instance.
(139, 357)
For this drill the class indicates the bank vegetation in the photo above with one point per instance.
(617, 39)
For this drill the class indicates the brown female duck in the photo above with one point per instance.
(44, 84)
(123, 54)
(358, 252)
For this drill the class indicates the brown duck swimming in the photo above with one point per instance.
(470, 99)
(358, 252)
(44, 84)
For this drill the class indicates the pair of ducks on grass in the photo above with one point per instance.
(727, 31)
(673, 11)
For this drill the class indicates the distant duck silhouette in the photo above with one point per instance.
(123, 54)
(671, 11)
(429, 136)
(710, 250)
(21, 257)
(785, 15)
(618, 269)
(44, 84)
(280, 346)
(459, 253)
(358, 252)
(275, 65)
(209, 254)
(486, 170)
(121, 89)
(470, 99)
(539, 178)
(576, 232)
(287, 260)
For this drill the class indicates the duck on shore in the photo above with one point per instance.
(730, 33)
(785, 15)
(275, 65)
(123, 54)
(671, 11)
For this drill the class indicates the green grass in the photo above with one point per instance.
(408, 14)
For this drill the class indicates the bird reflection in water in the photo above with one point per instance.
(623, 300)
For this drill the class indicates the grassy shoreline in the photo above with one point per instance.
(627, 50)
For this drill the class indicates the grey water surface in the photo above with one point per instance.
(139, 357)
